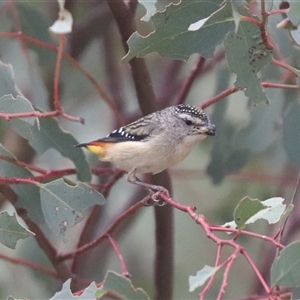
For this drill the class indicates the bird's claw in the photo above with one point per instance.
(153, 199)
(156, 200)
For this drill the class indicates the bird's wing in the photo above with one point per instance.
(136, 131)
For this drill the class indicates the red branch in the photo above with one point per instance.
(279, 85)
(277, 11)
(38, 114)
(23, 164)
(190, 80)
(229, 263)
(16, 180)
(88, 75)
(200, 219)
(208, 228)
(29, 264)
(212, 278)
(57, 104)
(109, 231)
(263, 26)
(119, 254)
(218, 97)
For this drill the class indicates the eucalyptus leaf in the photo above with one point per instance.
(291, 129)
(262, 130)
(246, 55)
(64, 205)
(11, 231)
(50, 135)
(294, 12)
(66, 294)
(245, 210)
(120, 286)
(171, 36)
(36, 24)
(28, 196)
(11, 105)
(273, 211)
(285, 270)
(64, 24)
(7, 81)
(150, 8)
(201, 277)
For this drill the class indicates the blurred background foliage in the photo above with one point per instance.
(255, 151)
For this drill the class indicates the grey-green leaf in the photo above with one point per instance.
(36, 24)
(274, 209)
(226, 157)
(150, 8)
(294, 12)
(245, 210)
(66, 294)
(173, 37)
(286, 215)
(28, 196)
(7, 81)
(11, 231)
(262, 130)
(50, 135)
(122, 287)
(201, 277)
(246, 55)
(272, 213)
(285, 270)
(11, 105)
(64, 205)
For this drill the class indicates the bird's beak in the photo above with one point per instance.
(210, 129)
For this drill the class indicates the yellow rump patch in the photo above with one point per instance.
(97, 149)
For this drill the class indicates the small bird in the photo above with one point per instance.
(155, 142)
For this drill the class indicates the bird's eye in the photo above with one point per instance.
(188, 122)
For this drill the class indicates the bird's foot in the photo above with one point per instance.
(153, 197)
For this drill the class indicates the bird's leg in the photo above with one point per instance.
(131, 177)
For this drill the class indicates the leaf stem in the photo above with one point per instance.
(212, 278)
(258, 274)
(190, 80)
(218, 97)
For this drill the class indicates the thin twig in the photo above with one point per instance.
(258, 274)
(110, 230)
(277, 11)
(29, 264)
(218, 97)
(119, 254)
(190, 80)
(23, 164)
(296, 189)
(61, 268)
(57, 104)
(212, 278)
(88, 75)
(279, 85)
(229, 264)
(263, 26)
